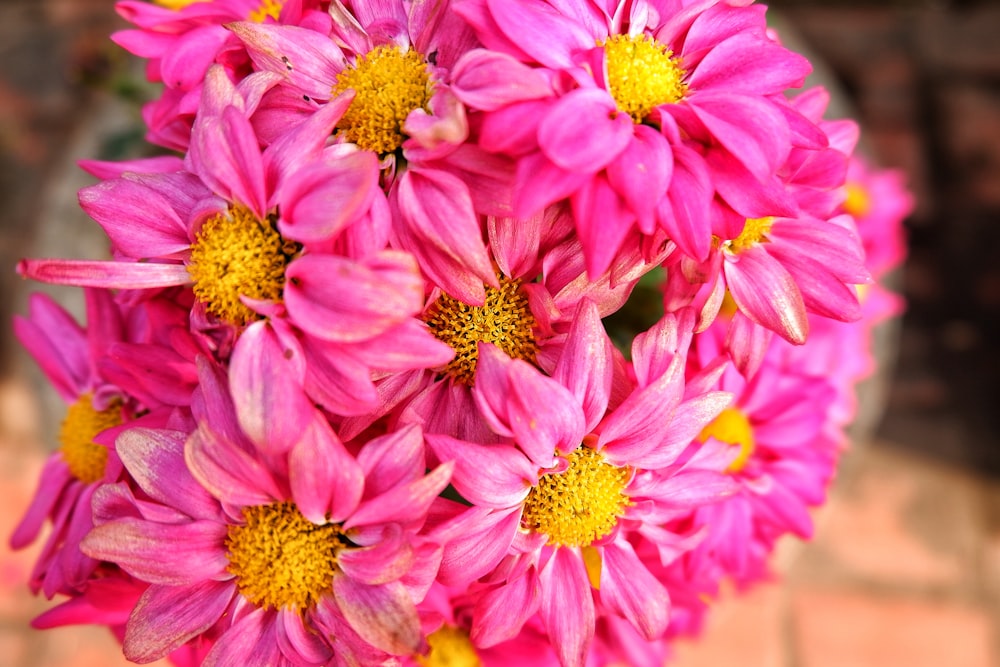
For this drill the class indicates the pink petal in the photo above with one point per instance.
(596, 135)
(339, 299)
(642, 172)
(496, 476)
(387, 560)
(585, 366)
(404, 503)
(540, 432)
(167, 617)
(383, 615)
(567, 606)
(139, 221)
(489, 80)
(326, 481)
(392, 459)
(603, 222)
(229, 473)
(543, 33)
(501, 612)
(629, 589)
(767, 294)
(112, 275)
(475, 543)
(265, 380)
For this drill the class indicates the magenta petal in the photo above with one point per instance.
(55, 475)
(229, 473)
(439, 225)
(501, 612)
(642, 420)
(250, 640)
(392, 459)
(496, 476)
(586, 365)
(475, 543)
(113, 275)
(596, 135)
(170, 554)
(629, 589)
(492, 388)
(265, 380)
(684, 214)
(746, 63)
(139, 221)
(58, 344)
(405, 503)
(298, 642)
(166, 617)
(538, 182)
(324, 197)
(690, 418)
(540, 431)
(339, 299)
(567, 605)
(326, 481)
(382, 615)
(541, 31)
(603, 222)
(760, 144)
(642, 172)
(489, 80)
(767, 294)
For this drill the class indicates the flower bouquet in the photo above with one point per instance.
(354, 387)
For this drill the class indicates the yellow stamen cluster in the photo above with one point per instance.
(280, 559)
(267, 9)
(388, 84)
(754, 231)
(450, 647)
(236, 254)
(582, 504)
(732, 427)
(505, 320)
(175, 4)
(85, 458)
(858, 201)
(642, 74)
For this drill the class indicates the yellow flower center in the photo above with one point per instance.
(175, 4)
(235, 254)
(579, 505)
(505, 320)
(280, 559)
(754, 231)
(450, 647)
(642, 74)
(858, 201)
(85, 458)
(268, 9)
(732, 427)
(388, 84)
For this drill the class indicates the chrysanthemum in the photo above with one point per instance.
(181, 39)
(778, 428)
(394, 57)
(289, 552)
(554, 503)
(879, 202)
(650, 87)
(256, 234)
(80, 363)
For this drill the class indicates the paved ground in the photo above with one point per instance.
(905, 568)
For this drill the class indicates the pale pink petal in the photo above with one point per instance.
(475, 542)
(139, 221)
(767, 294)
(586, 364)
(112, 275)
(387, 560)
(539, 431)
(229, 473)
(168, 616)
(496, 476)
(392, 459)
(250, 640)
(174, 555)
(404, 503)
(383, 614)
(325, 480)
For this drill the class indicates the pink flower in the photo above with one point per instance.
(181, 39)
(554, 503)
(394, 57)
(253, 232)
(287, 553)
(651, 87)
(879, 202)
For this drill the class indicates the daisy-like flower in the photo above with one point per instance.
(287, 553)
(650, 86)
(256, 235)
(394, 56)
(879, 202)
(778, 427)
(542, 279)
(181, 39)
(554, 504)
(74, 359)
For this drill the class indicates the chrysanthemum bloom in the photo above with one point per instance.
(288, 552)
(542, 279)
(394, 57)
(650, 86)
(256, 234)
(554, 504)
(768, 273)
(785, 459)
(181, 39)
(879, 202)
(70, 357)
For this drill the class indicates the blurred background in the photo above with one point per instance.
(905, 567)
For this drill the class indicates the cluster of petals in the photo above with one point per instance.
(372, 374)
